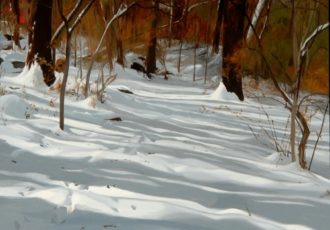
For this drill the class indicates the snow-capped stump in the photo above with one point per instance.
(13, 107)
(32, 77)
(221, 93)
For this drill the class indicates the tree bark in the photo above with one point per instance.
(120, 50)
(207, 43)
(217, 29)
(39, 38)
(15, 7)
(180, 13)
(170, 28)
(151, 55)
(117, 33)
(67, 62)
(233, 36)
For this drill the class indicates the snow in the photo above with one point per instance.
(31, 77)
(8, 111)
(3, 42)
(184, 156)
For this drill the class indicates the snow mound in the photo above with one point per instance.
(221, 93)
(12, 106)
(4, 43)
(31, 77)
(14, 56)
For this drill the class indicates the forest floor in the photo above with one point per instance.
(172, 154)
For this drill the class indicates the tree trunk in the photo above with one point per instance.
(232, 39)
(170, 24)
(194, 73)
(15, 9)
(39, 38)
(117, 33)
(179, 59)
(294, 108)
(151, 55)
(67, 62)
(120, 50)
(216, 34)
(65, 78)
(207, 43)
(180, 28)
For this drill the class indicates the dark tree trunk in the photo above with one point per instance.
(217, 29)
(39, 38)
(179, 13)
(232, 39)
(120, 50)
(15, 7)
(117, 33)
(151, 55)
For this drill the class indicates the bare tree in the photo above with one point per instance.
(294, 102)
(69, 30)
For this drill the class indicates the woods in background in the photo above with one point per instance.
(220, 23)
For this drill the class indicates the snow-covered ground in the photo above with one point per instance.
(183, 155)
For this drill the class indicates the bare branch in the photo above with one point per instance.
(82, 13)
(309, 40)
(260, 6)
(267, 18)
(73, 14)
(190, 8)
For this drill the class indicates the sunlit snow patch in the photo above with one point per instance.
(31, 77)
(221, 93)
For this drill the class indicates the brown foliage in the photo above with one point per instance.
(133, 30)
(316, 79)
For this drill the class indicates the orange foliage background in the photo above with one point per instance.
(134, 28)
